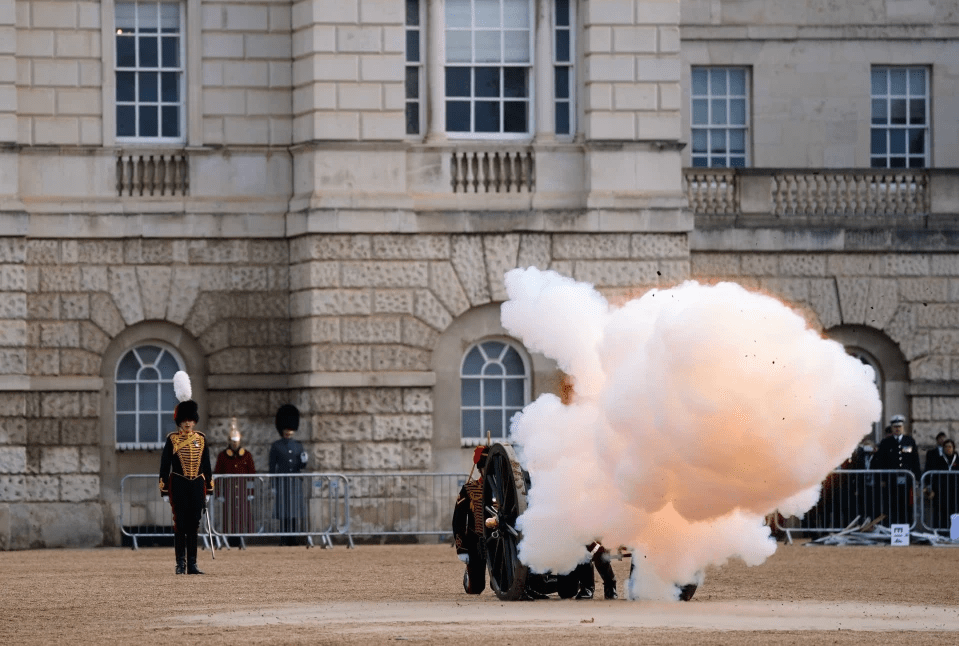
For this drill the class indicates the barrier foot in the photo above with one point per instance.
(135, 546)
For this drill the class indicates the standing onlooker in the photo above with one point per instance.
(898, 452)
(287, 456)
(935, 453)
(865, 495)
(185, 475)
(235, 493)
(944, 487)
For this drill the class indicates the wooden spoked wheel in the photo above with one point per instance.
(504, 500)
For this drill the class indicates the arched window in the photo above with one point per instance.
(145, 398)
(494, 386)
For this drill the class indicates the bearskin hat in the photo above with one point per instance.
(187, 409)
(287, 416)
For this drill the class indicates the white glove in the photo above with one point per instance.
(303, 457)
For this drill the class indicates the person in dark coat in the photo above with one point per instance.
(287, 456)
(235, 493)
(898, 452)
(185, 476)
(944, 487)
(935, 453)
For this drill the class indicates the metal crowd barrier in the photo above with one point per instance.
(302, 505)
(941, 489)
(848, 494)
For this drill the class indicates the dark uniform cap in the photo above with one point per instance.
(186, 411)
(288, 416)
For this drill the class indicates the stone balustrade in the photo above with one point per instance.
(492, 171)
(841, 193)
(153, 174)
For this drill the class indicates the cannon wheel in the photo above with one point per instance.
(504, 498)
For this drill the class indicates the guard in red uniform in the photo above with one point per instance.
(235, 493)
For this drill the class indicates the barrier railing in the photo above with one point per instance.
(303, 505)
(941, 489)
(866, 494)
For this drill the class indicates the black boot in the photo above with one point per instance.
(179, 548)
(608, 576)
(191, 567)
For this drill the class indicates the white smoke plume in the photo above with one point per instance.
(698, 410)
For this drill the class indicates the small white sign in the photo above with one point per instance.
(954, 530)
(900, 534)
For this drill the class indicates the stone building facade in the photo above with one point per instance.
(287, 212)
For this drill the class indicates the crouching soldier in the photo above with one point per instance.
(468, 527)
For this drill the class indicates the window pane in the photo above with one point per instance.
(493, 370)
(148, 87)
(515, 116)
(169, 17)
(562, 13)
(487, 116)
(515, 392)
(471, 423)
(878, 82)
(125, 13)
(486, 81)
(457, 116)
(126, 85)
(148, 373)
(517, 47)
(737, 141)
(488, 47)
(494, 349)
(126, 427)
(128, 368)
(737, 82)
(412, 13)
(149, 427)
(897, 142)
(487, 14)
(878, 142)
(171, 120)
(149, 397)
(562, 46)
(562, 118)
(470, 392)
(458, 13)
(493, 422)
(897, 111)
(413, 82)
(699, 81)
(880, 116)
(560, 82)
(917, 111)
(412, 46)
(897, 81)
(699, 140)
(514, 82)
(737, 112)
(719, 112)
(126, 397)
(917, 82)
(457, 81)
(917, 141)
(700, 111)
(148, 52)
(717, 81)
(167, 366)
(878, 162)
(170, 87)
(412, 118)
(516, 14)
(167, 397)
(737, 162)
(147, 16)
(126, 121)
(473, 363)
(492, 392)
(700, 162)
(897, 162)
(717, 141)
(171, 52)
(458, 47)
(126, 54)
(513, 362)
(149, 125)
(917, 162)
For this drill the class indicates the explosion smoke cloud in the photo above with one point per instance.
(698, 410)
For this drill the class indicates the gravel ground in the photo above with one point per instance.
(398, 593)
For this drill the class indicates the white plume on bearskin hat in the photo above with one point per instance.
(187, 409)
(181, 386)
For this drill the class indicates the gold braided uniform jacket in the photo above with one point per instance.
(185, 455)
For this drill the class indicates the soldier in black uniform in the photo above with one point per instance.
(288, 456)
(186, 478)
(898, 451)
